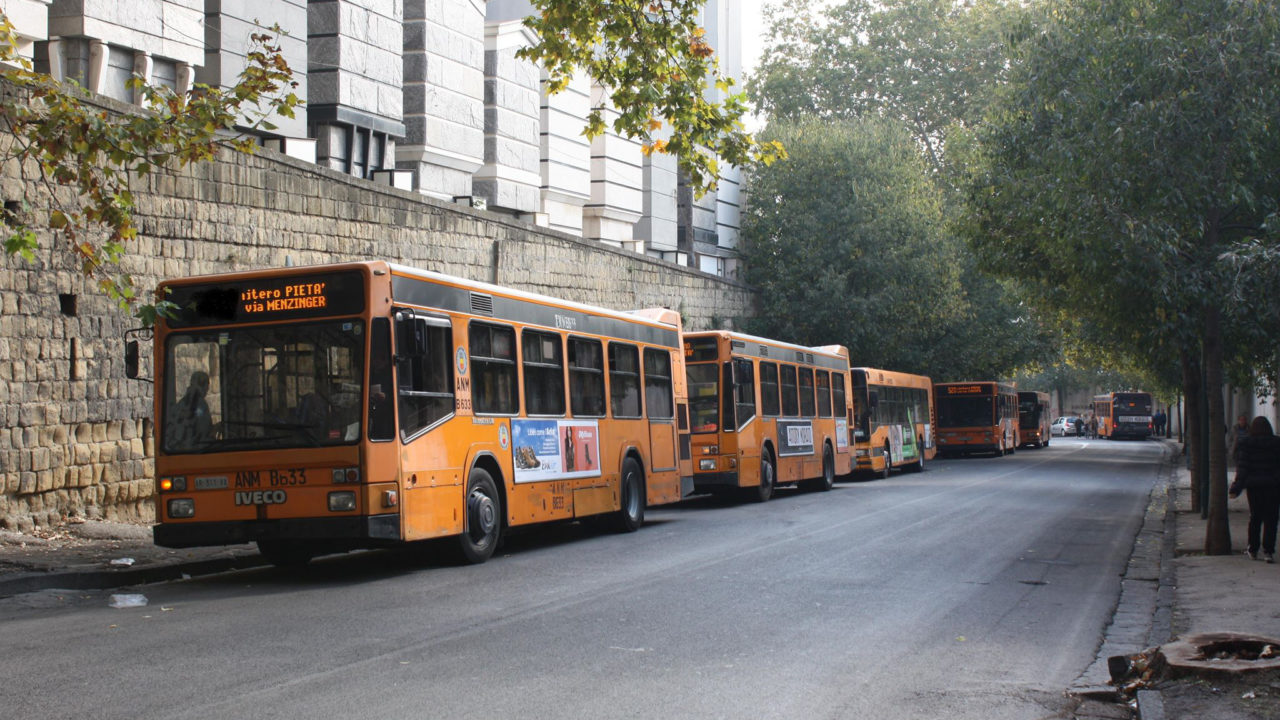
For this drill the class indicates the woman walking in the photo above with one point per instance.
(1258, 475)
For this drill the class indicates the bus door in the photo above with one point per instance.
(661, 410)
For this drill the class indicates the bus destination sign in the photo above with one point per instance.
(977, 389)
(290, 297)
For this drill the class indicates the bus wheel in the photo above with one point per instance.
(484, 518)
(919, 464)
(764, 491)
(285, 553)
(630, 516)
(828, 478)
(888, 464)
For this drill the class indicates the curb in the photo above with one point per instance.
(1143, 616)
(102, 579)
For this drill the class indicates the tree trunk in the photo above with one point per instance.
(1217, 539)
(1192, 417)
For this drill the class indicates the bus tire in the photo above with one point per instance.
(768, 477)
(630, 514)
(291, 554)
(888, 464)
(483, 527)
(827, 480)
(918, 466)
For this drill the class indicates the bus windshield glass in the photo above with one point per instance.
(1029, 413)
(263, 388)
(1135, 404)
(970, 411)
(704, 397)
(861, 403)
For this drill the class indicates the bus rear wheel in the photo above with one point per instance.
(918, 465)
(888, 464)
(483, 527)
(827, 480)
(630, 514)
(764, 490)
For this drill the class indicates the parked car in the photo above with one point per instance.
(1064, 426)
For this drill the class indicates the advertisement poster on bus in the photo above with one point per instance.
(795, 437)
(842, 435)
(895, 444)
(555, 449)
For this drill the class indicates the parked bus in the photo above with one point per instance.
(976, 417)
(1033, 418)
(892, 420)
(765, 413)
(326, 408)
(1123, 414)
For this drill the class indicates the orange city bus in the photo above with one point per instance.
(1123, 414)
(325, 408)
(764, 413)
(892, 420)
(1033, 418)
(976, 417)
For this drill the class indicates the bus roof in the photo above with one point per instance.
(834, 351)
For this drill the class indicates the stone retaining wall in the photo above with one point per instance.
(77, 435)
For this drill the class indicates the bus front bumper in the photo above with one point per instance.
(356, 531)
(708, 481)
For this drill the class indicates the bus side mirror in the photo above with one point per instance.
(131, 359)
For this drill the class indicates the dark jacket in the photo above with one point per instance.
(1258, 464)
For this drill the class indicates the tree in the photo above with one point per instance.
(653, 59)
(85, 156)
(932, 64)
(846, 242)
(1135, 146)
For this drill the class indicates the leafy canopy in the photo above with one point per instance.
(652, 58)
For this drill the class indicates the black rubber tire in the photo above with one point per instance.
(918, 466)
(290, 554)
(827, 480)
(888, 464)
(483, 523)
(630, 516)
(768, 478)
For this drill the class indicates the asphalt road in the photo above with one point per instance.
(978, 589)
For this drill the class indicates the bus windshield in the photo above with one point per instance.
(1029, 413)
(263, 388)
(956, 412)
(704, 397)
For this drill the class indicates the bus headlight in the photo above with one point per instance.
(182, 508)
(707, 464)
(344, 501)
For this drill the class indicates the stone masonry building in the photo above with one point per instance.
(424, 141)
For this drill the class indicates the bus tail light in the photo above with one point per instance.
(182, 508)
(343, 476)
(390, 499)
(710, 449)
(173, 484)
(344, 501)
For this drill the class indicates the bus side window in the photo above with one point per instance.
(806, 393)
(425, 369)
(744, 391)
(657, 384)
(586, 378)
(824, 393)
(493, 369)
(837, 395)
(543, 373)
(382, 420)
(769, 405)
(624, 380)
(790, 398)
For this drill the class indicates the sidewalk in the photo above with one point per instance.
(100, 555)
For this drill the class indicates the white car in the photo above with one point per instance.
(1064, 426)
